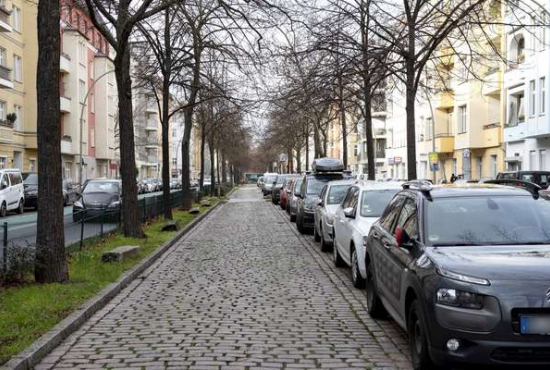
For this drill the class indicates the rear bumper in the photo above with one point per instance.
(31, 201)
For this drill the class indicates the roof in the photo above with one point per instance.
(472, 189)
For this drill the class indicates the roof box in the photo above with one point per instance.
(327, 165)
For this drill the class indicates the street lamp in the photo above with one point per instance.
(82, 121)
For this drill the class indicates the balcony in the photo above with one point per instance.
(151, 108)
(444, 143)
(152, 142)
(151, 126)
(380, 153)
(379, 132)
(66, 145)
(152, 159)
(5, 19)
(491, 135)
(446, 57)
(447, 100)
(492, 82)
(65, 104)
(5, 77)
(65, 63)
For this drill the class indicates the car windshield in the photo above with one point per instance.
(373, 202)
(270, 179)
(315, 185)
(336, 194)
(490, 220)
(30, 179)
(101, 187)
(280, 180)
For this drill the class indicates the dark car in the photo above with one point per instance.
(30, 184)
(324, 170)
(70, 193)
(100, 199)
(278, 186)
(465, 270)
(286, 192)
(541, 178)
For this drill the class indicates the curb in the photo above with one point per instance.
(33, 354)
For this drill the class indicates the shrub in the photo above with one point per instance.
(19, 266)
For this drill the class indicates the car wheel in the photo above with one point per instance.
(316, 235)
(374, 304)
(273, 200)
(21, 207)
(418, 339)
(356, 277)
(336, 258)
(292, 218)
(300, 224)
(282, 205)
(3, 210)
(287, 207)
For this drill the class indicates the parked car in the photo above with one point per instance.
(330, 198)
(324, 170)
(277, 187)
(541, 178)
(30, 186)
(12, 191)
(70, 192)
(363, 204)
(286, 190)
(464, 269)
(269, 181)
(260, 182)
(293, 198)
(99, 198)
(175, 184)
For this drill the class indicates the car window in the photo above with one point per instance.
(30, 178)
(354, 198)
(337, 193)
(373, 202)
(507, 176)
(323, 192)
(4, 181)
(14, 179)
(488, 220)
(528, 177)
(391, 213)
(408, 218)
(101, 187)
(543, 179)
(346, 203)
(298, 187)
(314, 185)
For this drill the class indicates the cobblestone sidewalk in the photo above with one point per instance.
(241, 291)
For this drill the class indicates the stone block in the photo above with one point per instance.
(170, 226)
(119, 254)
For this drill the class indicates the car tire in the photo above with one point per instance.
(21, 207)
(273, 200)
(300, 224)
(336, 258)
(316, 235)
(418, 340)
(3, 210)
(356, 277)
(292, 218)
(287, 207)
(375, 306)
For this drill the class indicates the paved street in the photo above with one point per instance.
(242, 291)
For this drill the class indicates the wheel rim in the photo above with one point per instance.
(354, 271)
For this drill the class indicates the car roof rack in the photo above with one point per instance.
(423, 186)
(531, 187)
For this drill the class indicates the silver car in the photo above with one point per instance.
(269, 180)
(330, 197)
(362, 206)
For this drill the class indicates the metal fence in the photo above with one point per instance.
(79, 226)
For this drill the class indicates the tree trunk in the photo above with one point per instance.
(217, 152)
(299, 160)
(130, 208)
(186, 164)
(307, 151)
(203, 150)
(371, 161)
(212, 169)
(51, 261)
(166, 77)
(411, 133)
(224, 168)
(343, 124)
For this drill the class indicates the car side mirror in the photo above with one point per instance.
(349, 212)
(320, 203)
(402, 238)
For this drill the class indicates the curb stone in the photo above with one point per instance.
(33, 354)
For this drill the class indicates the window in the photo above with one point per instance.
(480, 167)
(355, 150)
(16, 17)
(32, 165)
(373, 202)
(2, 110)
(462, 116)
(81, 90)
(3, 161)
(516, 109)
(92, 137)
(532, 93)
(82, 53)
(336, 194)
(174, 133)
(17, 68)
(532, 160)
(18, 124)
(3, 61)
(542, 97)
(391, 213)
(67, 166)
(91, 101)
(174, 161)
(408, 219)
(494, 161)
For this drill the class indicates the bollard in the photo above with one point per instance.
(5, 248)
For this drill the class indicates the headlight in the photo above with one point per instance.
(114, 204)
(78, 204)
(459, 298)
(461, 277)
(330, 220)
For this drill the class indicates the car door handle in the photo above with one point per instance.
(386, 245)
(375, 235)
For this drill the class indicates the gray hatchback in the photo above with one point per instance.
(465, 270)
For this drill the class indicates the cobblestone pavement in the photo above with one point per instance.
(242, 291)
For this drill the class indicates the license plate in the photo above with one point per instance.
(535, 324)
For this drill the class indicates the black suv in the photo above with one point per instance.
(465, 270)
(324, 170)
(541, 178)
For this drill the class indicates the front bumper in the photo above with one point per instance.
(308, 219)
(31, 200)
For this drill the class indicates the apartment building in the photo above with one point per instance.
(88, 98)
(18, 56)
(527, 124)
(396, 128)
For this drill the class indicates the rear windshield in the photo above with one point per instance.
(373, 202)
(337, 193)
(30, 179)
(315, 184)
(493, 220)
(270, 179)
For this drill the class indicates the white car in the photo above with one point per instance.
(331, 197)
(363, 204)
(12, 191)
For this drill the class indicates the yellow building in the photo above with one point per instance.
(18, 56)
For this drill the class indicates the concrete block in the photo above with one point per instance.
(119, 254)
